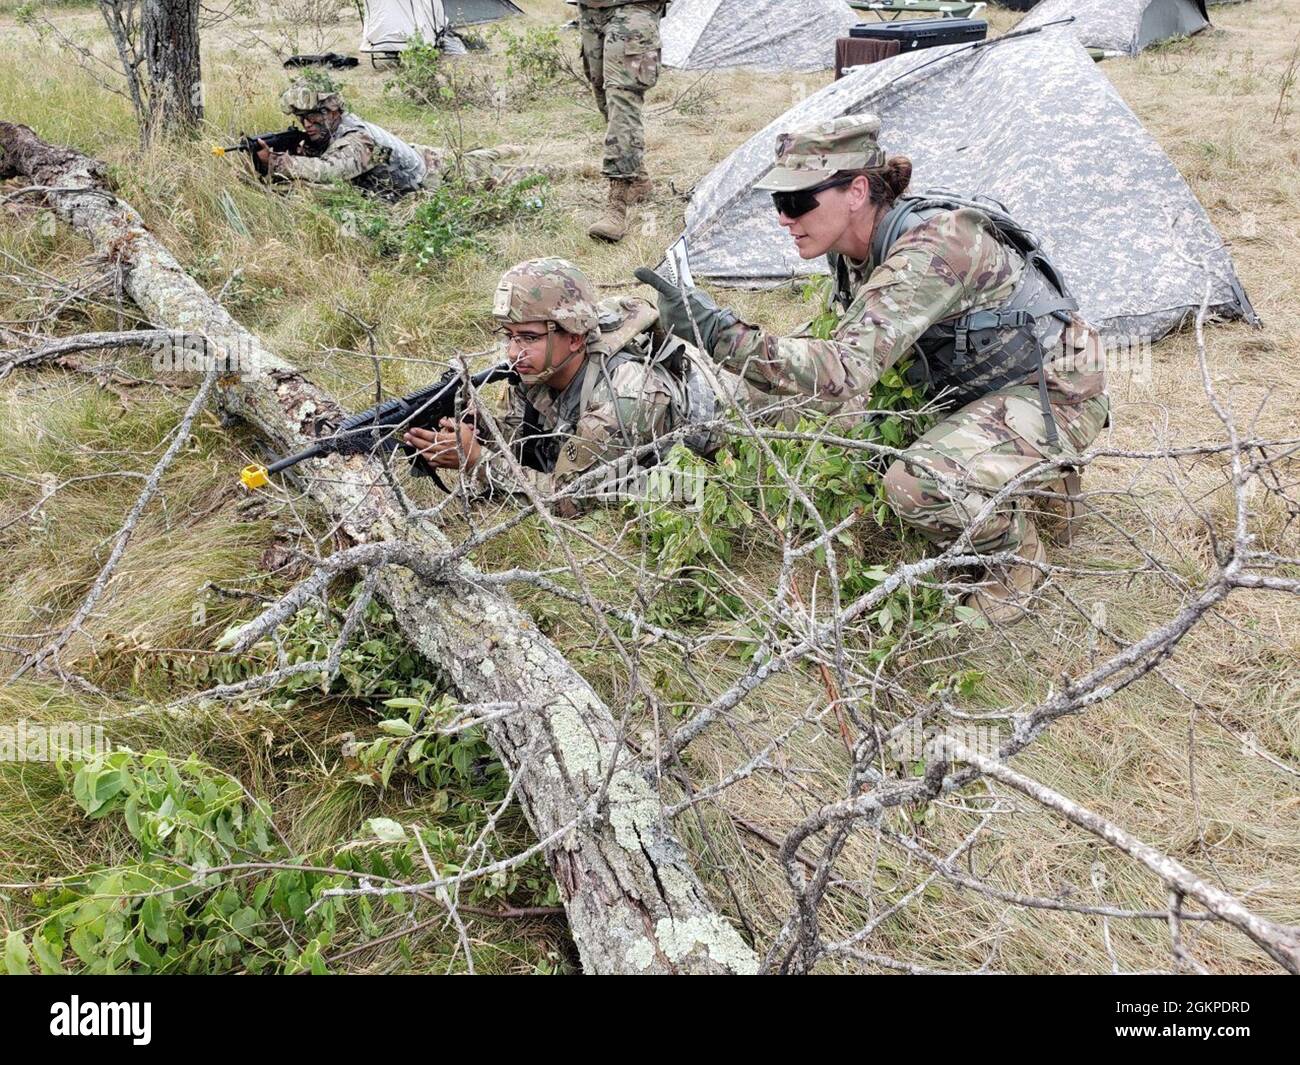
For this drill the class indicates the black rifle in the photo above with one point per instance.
(379, 430)
(292, 140)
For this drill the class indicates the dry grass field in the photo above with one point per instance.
(1201, 760)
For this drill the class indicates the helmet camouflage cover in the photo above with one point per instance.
(547, 290)
(302, 98)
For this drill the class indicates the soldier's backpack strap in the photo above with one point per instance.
(906, 214)
(627, 324)
(599, 365)
(623, 318)
(530, 445)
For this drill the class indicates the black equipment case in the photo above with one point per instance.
(924, 32)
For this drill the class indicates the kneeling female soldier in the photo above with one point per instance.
(965, 292)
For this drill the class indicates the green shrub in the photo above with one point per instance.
(432, 227)
(214, 888)
(455, 216)
(183, 908)
(427, 77)
(535, 60)
(378, 663)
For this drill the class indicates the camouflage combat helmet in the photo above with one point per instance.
(547, 290)
(302, 98)
(814, 153)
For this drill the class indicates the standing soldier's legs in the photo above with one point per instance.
(630, 68)
(591, 26)
(945, 479)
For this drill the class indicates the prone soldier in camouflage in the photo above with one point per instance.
(344, 147)
(834, 190)
(620, 54)
(590, 390)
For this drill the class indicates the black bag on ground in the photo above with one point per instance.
(328, 59)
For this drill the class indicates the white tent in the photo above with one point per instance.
(389, 24)
(768, 34)
(1122, 27)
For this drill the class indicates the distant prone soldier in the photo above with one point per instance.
(340, 146)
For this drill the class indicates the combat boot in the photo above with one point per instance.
(1004, 598)
(612, 225)
(639, 190)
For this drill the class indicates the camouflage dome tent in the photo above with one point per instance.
(1122, 27)
(768, 34)
(1031, 121)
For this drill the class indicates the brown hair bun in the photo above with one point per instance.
(896, 174)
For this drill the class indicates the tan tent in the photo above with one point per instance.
(389, 25)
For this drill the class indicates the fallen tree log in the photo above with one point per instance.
(634, 904)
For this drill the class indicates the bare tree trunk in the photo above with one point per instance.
(633, 901)
(170, 32)
(123, 22)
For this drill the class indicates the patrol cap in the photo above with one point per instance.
(302, 98)
(812, 154)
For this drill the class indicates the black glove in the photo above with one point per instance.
(676, 312)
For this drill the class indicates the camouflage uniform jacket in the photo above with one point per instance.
(630, 402)
(954, 262)
(363, 153)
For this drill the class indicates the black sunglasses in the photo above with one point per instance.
(794, 204)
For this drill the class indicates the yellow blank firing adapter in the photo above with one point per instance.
(254, 477)
(258, 476)
(218, 150)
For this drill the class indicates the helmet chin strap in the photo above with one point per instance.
(551, 368)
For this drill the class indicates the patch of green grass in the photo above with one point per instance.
(125, 826)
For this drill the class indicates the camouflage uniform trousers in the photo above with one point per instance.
(947, 476)
(620, 54)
